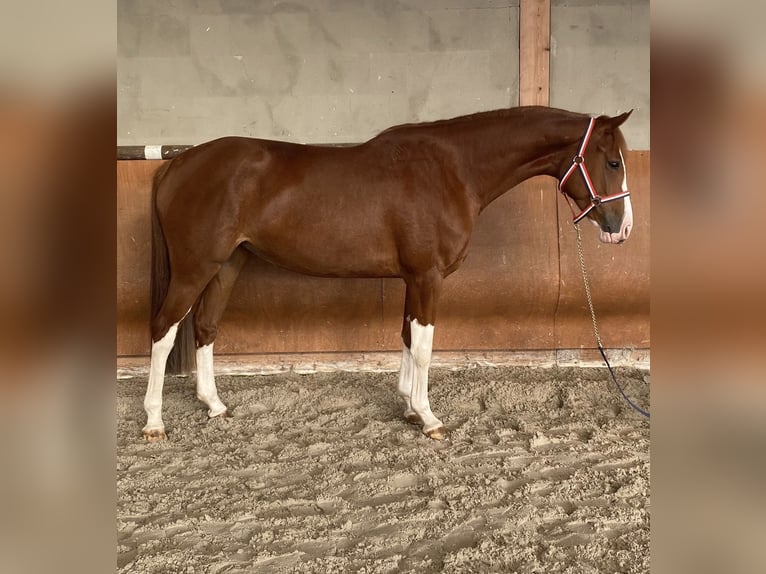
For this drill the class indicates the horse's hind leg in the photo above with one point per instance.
(206, 318)
(154, 430)
(180, 299)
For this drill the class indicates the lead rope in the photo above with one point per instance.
(595, 324)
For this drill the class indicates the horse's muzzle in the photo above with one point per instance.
(617, 238)
(626, 226)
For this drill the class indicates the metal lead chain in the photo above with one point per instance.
(595, 325)
(587, 286)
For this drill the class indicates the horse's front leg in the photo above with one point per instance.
(206, 319)
(406, 374)
(417, 334)
(422, 345)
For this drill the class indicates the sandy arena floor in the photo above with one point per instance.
(546, 471)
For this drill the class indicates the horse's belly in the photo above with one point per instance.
(327, 229)
(328, 257)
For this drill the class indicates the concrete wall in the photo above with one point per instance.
(600, 60)
(342, 70)
(307, 70)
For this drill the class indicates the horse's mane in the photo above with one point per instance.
(502, 113)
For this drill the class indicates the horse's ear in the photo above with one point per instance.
(617, 121)
(609, 126)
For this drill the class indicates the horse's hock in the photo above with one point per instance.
(520, 288)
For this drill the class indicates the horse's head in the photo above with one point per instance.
(596, 179)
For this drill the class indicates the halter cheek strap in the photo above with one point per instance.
(578, 162)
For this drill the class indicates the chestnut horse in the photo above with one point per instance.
(402, 204)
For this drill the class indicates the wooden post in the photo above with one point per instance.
(534, 52)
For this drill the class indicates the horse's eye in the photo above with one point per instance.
(614, 164)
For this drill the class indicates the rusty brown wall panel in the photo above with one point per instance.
(133, 255)
(504, 296)
(273, 310)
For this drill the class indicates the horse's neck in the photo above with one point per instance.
(499, 155)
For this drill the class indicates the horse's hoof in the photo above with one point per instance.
(413, 419)
(224, 414)
(439, 433)
(155, 435)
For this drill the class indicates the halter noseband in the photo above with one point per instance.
(579, 162)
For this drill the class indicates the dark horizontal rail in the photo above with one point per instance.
(150, 151)
(133, 152)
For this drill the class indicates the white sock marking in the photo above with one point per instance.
(206, 389)
(405, 380)
(159, 358)
(153, 399)
(421, 345)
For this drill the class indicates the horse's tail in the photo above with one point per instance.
(182, 357)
